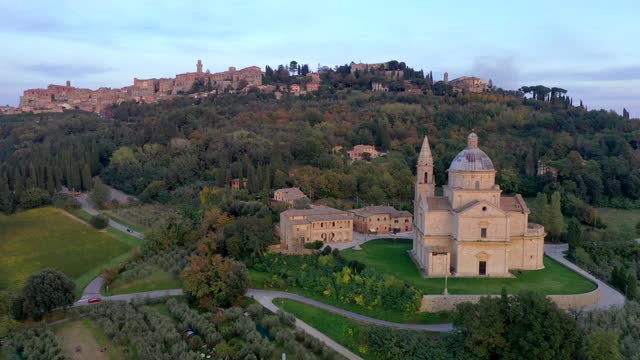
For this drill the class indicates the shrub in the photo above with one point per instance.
(65, 201)
(99, 221)
(316, 245)
(33, 198)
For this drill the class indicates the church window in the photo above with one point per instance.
(477, 185)
(483, 233)
(484, 208)
(426, 177)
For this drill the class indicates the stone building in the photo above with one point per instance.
(57, 98)
(358, 152)
(381, 220)
(471, 230)
(320, 223)
(235, 184)
(288, 195)
(469, 83)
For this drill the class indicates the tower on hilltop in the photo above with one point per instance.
(446, 77)
(199, 66)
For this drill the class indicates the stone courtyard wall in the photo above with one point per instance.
(435, 303)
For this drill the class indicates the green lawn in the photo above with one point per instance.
(389, 256)
(47, 237)
(344, 331)
(620, 219)
(157, 280)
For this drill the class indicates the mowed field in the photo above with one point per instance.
(47, 237)
(620, 219)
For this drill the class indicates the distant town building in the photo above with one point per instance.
(359, 151)
(9, 110)
(381, 220)
(288, 195)
(469, 84)
(57, 98)
(235, 184)
(320, 223)
(376, 86)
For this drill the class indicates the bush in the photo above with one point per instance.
(34, 198)
(316, 245)
(99, 221)
(65, 201)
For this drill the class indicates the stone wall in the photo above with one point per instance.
(435, 303)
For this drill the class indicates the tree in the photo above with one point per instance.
(6, 197)
(100, 193)
(524, 326)
(99, 221)
(603, 345)
(540, 209)
(33, 197)
(87, 182)
(555, 224)
(638, 228)
(248, 237)
(574, 236)
(215, 281)
(632, 286)
(293, 67)
(45, 291)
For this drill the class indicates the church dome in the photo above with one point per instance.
(471, 158)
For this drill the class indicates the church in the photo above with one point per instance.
(471, 230)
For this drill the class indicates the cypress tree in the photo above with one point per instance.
(632, 286)
(87, 181)
(556, 221)
(574, 235)
(6, 197)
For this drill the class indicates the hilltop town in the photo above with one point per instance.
(388, 76)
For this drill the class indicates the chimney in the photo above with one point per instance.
(68, 83)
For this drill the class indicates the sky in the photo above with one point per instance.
(590, 48)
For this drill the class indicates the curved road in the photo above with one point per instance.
(86, 205)
(608, 296)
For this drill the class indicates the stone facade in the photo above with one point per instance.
(469, 83)
(381, 220)
(57, 98)
(471, 230)
(235, 184)
(320, 223)
(437, 303)
(288, 195)
(358, 152)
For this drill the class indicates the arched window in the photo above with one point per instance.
(477, 185)
(426, 177)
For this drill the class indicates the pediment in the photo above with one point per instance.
(480, 209)
(483, 256)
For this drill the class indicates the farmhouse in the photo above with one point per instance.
(288, 195)
(381, 219)
(471, 230)
(320, 223)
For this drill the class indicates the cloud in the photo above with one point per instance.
(66, 70)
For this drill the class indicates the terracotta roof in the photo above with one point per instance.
(515, 203)
(315, 210)
(438, 203)
(290, 193)
(373, 210)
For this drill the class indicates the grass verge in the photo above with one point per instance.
(157, 280)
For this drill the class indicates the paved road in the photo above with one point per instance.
(608, 296)
(86, 205)
(266, 297)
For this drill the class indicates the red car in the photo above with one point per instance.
(94, 300)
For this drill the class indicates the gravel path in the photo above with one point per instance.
(608, 296)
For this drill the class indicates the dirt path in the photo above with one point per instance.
(78, 341)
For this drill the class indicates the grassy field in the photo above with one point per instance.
(258, 281)
(389, 256)
(620, 219)
(344, 331)
(47, 237)
(82, 339)
(158, 280)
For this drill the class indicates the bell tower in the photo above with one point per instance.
(199, 67)
(425, 184)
